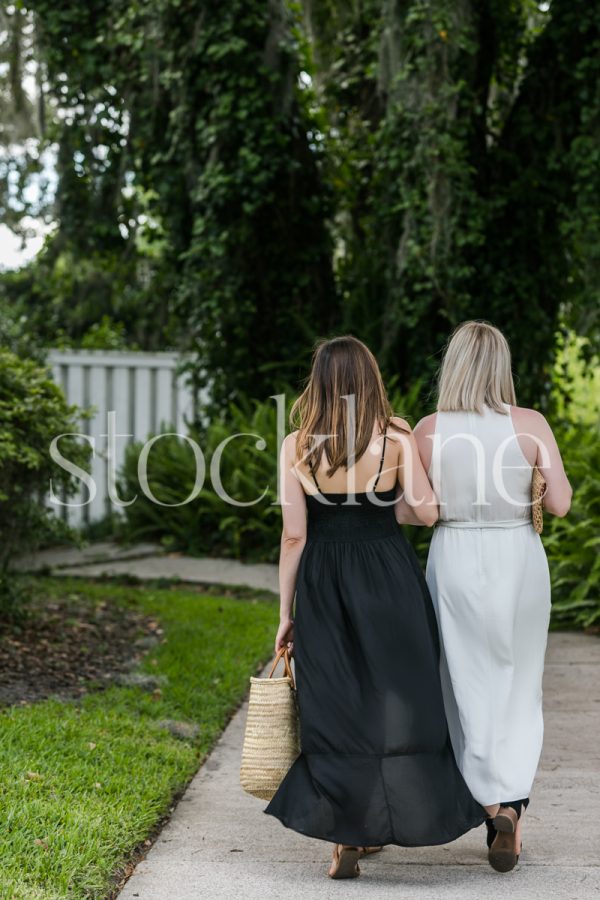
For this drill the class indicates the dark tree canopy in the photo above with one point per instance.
(239, 178)
(471, 166)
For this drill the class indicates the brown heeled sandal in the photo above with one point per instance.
(345, 862)
(503, 855)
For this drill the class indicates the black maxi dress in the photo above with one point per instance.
(377, 765)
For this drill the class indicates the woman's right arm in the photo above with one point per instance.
(293, 539)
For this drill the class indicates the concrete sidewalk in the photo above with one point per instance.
(219, 844)
(148, 561)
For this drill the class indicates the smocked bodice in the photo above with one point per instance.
(351, 517)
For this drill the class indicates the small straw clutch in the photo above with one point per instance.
(538, 489)
(272, 736)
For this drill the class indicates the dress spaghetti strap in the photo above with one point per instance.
(379, 471)
(312, 472)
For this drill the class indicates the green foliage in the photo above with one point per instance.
(14, 335)
(22, 121)
(33, 411)
(208, 524)
(463, 142)
(190, 201)
(59, 299)
(573, 543)
(237, 179)
(576, 381)
(257, 284)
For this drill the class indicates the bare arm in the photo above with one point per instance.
(418, 504)
(540, 448)
(559, 492)
(424, 433)
(405, 514)
(557, 499)
(293, 539)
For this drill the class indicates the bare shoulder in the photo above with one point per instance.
(426, 425)
(530, 419)
(288, 445)
(399, 427)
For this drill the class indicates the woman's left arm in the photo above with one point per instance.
(293, 539)
(540, 448)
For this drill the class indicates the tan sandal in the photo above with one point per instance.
(345, 862)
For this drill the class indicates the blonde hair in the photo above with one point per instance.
(476, 370)
(341, 366)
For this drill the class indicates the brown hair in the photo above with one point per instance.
(341, 367)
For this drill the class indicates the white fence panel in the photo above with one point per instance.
(142, 389)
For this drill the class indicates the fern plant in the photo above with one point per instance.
(209, 524)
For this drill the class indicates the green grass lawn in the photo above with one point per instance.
(83, 783)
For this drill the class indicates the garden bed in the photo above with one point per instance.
(68, 645)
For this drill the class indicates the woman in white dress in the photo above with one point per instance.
(488, 574)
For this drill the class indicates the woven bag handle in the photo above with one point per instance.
(283, 653)
(538, 489)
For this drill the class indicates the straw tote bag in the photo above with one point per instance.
(272, 737)
(538, 489)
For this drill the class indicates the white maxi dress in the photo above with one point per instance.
(488, 576)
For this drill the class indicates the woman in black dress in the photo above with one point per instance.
(377, 765)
